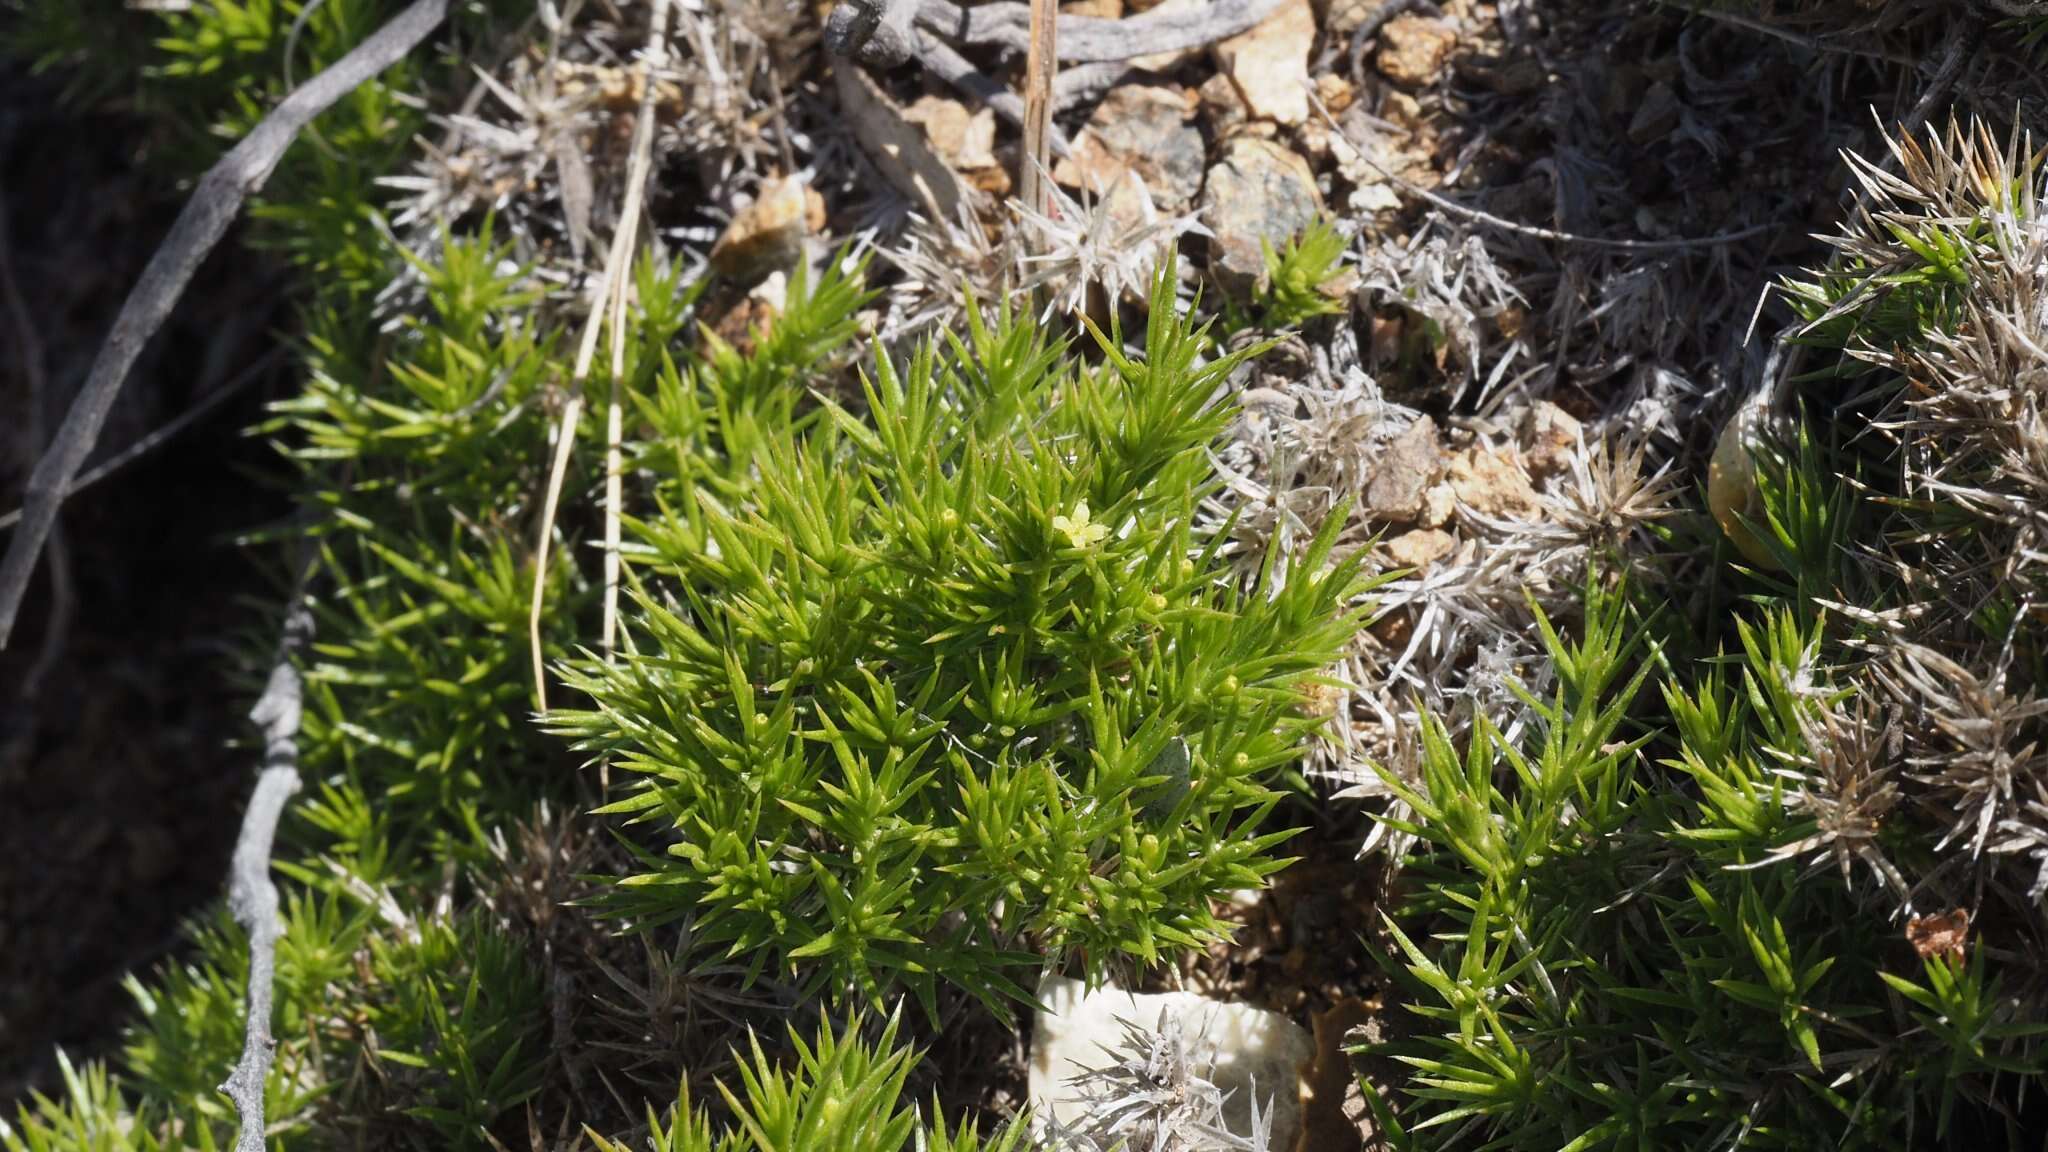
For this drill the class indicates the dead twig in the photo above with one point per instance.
(1039, 66)
(880, 32)
(205, 219)
(1091, 39)
(252, 897)
(888, 33)
(609, 302)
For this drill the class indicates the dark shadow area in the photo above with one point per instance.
(121, 691)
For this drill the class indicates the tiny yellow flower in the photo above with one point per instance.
(1078, 528)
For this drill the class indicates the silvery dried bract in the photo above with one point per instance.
(1453, 282)
(1156, 1097)
(1112, 243)
(941, 264)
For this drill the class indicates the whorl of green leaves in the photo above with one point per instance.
(839, 1094)
(1293, 291)
(908, 702)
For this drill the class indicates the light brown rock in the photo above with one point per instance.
(1141, 128)
(1549, 437)
(964, 139)
(1258, 190)
(1493, 483)
(1335, 92)
(1223, 105)
(1439, 504)
(1404, 473)
(1413, 49)
(1370, 189)
(1269, 63)
(1420, 548)
(1100, 9)
(769, 233)
(1342, 17)
(750, 320)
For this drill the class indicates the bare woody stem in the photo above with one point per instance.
(251, 895)
(1040, 63)
(214, 205)
(608, 304)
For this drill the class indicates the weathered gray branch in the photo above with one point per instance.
(881, 33)
(251, 895)
(1091, 39)
(875, 32)
(205, 219)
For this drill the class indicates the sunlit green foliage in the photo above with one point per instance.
(930, 659)
(840, 1094)
(1298, 275)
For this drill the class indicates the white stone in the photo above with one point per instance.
(1246, 1045)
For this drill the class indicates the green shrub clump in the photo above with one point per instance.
(1799, 904)
(952, 679)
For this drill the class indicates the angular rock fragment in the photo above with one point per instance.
(1413, 50)
(1269, 63)
(1493, 483)
(964, 140)
(769, 233)
(1404, 474)
(1141, 128)
(1258, 190)
(1549, 437)
(1420, 548)
(1223, 105)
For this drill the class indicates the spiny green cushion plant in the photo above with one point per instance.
(1799, 905)
(841, 1095)
(951, 675)
(1293, 290)
(400, 1025)
(1607, 947)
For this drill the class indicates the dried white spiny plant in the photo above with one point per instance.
(1842, 780)
(1977, 745)
(1451, 637)
(1453, 282)
(1962, 221)
(940, 264)
(739, 99)
(495, 157)
(1155, 1096)
(1604, 506)
(1113, 241)
(1297, 448)
(542, 143)
(1944, 294)
(2025, 836)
